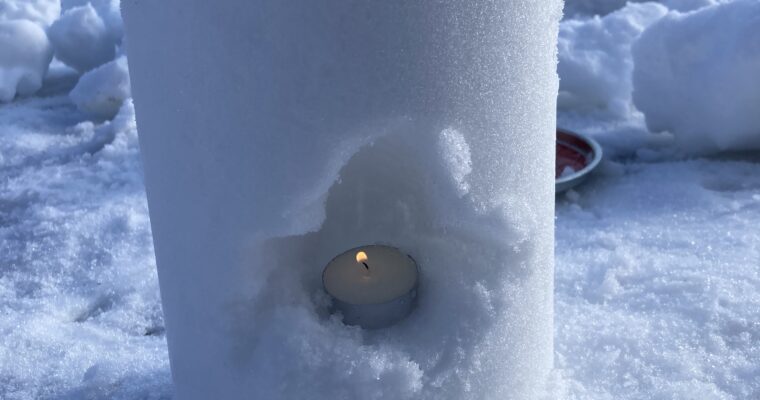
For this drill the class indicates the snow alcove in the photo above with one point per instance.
(276, 135)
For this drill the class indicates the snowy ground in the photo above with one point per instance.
(658, 281)
(657, 257)
(80, 315)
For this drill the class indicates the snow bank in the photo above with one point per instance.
(81, 38)
(595, 62)
(697, 75)
(580, 8)
(690, 5)
(317, 128)
(102, 91)
(25, 54)
(42, 12)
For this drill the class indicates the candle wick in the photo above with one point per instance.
(365, 265)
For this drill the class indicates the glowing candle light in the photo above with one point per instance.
(361, 257)
(372, 286)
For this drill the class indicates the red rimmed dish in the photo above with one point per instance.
(577, 156)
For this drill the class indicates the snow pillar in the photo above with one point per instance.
(276, 135)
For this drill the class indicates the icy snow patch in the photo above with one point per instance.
(81, 38)
(697, 75)
(102, 91)
(25, 54)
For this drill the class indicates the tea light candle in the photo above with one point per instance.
(372, 286)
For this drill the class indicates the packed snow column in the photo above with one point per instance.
(276, 136)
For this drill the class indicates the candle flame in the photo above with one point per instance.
(361, 257)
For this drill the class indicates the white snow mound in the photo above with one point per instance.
(595, 58)
(108, 10)
(25, 54)
(690, 5)
(81, 39)
(697, 76)
(42, 12)
(580, 8)
(102, 91)
(577, 8)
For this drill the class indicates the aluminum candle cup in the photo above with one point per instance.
(372, 286)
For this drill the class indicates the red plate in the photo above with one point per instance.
(579, 153)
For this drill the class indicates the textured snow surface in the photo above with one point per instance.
(658, 284)
(80, 316)
(697, 75)
(657, 280)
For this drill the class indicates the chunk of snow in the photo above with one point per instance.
(109, 11)
(25, 54)
(567, 171)
(455, 153)
(102, 91)
(81, 39)
(42, 12)
(595, 61)
(697, 75)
